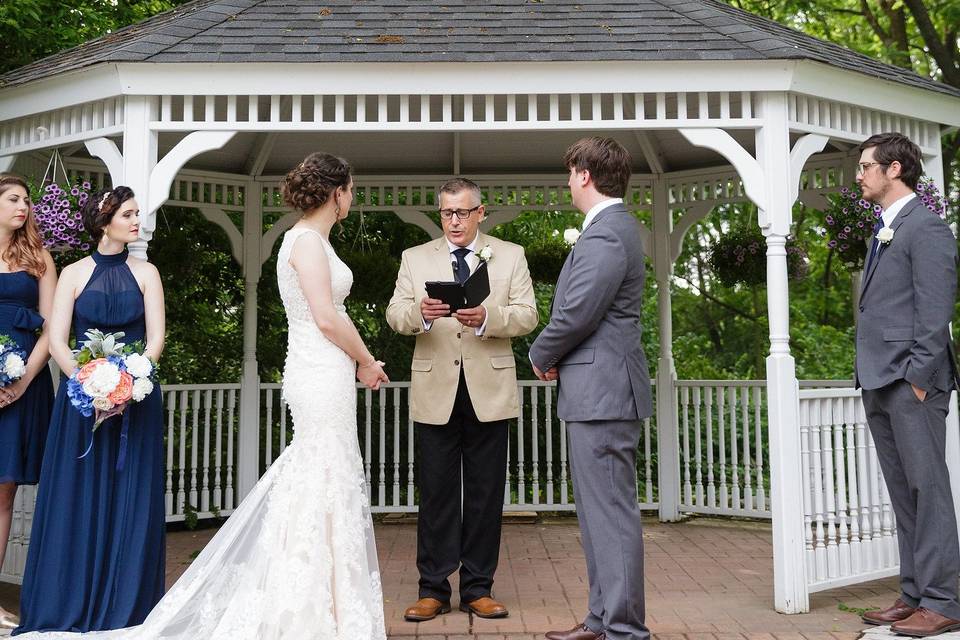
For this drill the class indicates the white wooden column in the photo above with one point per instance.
(248, 443)
(771, 181)
(138, 161)
(668, 439)
(786, 496)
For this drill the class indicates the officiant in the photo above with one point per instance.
(463, 392)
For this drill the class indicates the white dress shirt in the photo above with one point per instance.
(891, 212)
(597, 208)
(473, 262)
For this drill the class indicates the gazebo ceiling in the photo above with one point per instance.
(389, 31)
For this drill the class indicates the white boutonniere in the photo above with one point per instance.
(570, 236)
(485, 254)
(885, 235)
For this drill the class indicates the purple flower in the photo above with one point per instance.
(877, 208)
(830, 218)
(844, 247)
(847, 229)
(844, 190)
(860, 224)
(832, 244)
(86, 186)
(74, 191)
(842, 236)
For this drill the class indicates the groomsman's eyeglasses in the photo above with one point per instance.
(863, 166)
(462, 214)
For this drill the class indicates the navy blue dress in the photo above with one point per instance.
(96, 558)
(23, 425)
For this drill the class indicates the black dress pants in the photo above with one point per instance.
(450, 535)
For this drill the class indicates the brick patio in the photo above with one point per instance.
(706, 579)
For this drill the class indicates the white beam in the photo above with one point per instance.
(166, 169)
(805, 147)
(746, 165)
(218, 216)
(650, 153)
(262, 148)
(7, 162)
(106, 149)
(139, 159)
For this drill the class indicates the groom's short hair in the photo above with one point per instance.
(893, 146)
(607, 161)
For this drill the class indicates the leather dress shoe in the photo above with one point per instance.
(8, 620)
(485, 607)
(924, 623)
(425, 609)
(579, 632)
(899, 611)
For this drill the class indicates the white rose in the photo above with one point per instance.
(486, 253)
(885, 235)
(142, 387)
(102, 404)
(14, 366)
(570, 236)
(102, 381)
(138, 366)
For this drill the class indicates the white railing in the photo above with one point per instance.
(849, 529)
(724, 462)
(538, 471)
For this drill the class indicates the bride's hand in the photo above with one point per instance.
(371, 375)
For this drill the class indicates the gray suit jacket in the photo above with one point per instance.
(593, 337)
(906, 304)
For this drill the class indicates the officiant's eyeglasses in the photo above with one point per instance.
(863, 166)
(462, 214)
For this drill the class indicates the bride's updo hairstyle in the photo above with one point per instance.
(100, 209)
(311, 183)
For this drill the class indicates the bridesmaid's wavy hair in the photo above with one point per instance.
(312, 182)
(26, 246)
(101, 207)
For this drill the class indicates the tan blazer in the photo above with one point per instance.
(488, 364)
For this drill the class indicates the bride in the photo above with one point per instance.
(296, 560)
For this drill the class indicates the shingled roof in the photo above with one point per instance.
(288, 31)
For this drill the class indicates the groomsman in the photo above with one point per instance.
(463, 392)
(592, 345)
(906, 369)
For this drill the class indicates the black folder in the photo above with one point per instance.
(462, 296)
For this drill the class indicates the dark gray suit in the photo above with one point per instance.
(593, 339)
(903, 338)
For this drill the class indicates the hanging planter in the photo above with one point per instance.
(57, 206)
(849, 222)
(545, 258)
(740, 257)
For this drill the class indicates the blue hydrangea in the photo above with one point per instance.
(78, 397)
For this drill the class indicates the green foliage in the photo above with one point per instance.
(39, 28)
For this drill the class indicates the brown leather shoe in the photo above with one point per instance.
(485, 607)
(425, 609)
(899, 611)
(579, 632)
(924, 623)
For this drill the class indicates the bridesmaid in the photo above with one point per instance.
(96, 558)
(27, 281)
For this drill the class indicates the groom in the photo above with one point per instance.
(592, 346)
(906, 370)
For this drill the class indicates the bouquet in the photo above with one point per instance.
(13, 361)
(110, 376)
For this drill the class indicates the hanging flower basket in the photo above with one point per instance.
(849, 222)
(545, 258)
(57, 206)
(740, 257)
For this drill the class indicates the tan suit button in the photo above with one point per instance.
(458, 335)
(456, 362)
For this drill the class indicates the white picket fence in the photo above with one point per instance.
(723, 455)
(849, 528)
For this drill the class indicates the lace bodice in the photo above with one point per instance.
(294, 302)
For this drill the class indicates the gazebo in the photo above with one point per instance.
(207, 105)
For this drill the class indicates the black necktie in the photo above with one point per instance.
(462, 270)
(876, 244)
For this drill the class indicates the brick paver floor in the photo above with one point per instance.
(706, 579)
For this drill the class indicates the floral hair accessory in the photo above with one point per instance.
(103, 200)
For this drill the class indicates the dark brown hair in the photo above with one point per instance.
(606, 160)
(311, 183)
(97, 217)
(26, 246)
(896, 147)
(454, 186)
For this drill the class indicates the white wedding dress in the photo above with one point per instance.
(296, 560)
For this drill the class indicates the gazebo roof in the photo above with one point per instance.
(383, 31)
